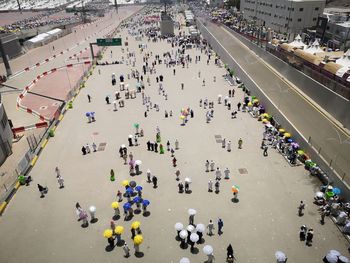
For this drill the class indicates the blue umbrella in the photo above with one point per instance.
(87, 114)
(290, 140)
(138, 188)
(145, 202)
(336, 191)
(129, 190)
(127, 206)
(137, 199)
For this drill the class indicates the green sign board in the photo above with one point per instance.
(109, 42)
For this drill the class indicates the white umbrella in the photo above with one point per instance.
(183, 234)
(123, 146)
(130, 136)
(334, 252)
(208, 250)
(280, 256)
(138, 162)
(200, 228)
(184, 260)
(319, 194)
(194, 237)
(331, 258)
(188, 180)
(179, 226)
(343, 259)
(190, 228)
(219, 96)
(92, 209)
(191, 211)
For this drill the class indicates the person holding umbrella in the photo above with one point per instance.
(181, 187)
(154, 181)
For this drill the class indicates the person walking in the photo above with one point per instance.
(120, 196)
(302, 233)
(126, 250)
(60, 181)
(177, 173)
(239, 106)
(154, 181)
(176, 144)
(210, 186)
(265, 150)
(218, 174)
(148, 175)
(228, 146)
(207, 166)
(111, 242)
(94, 147)
(220, 226)
(89, 98)
(191, 220)
(168, 146)
(212, 165)
(210, 228)
(240, 143)
(125, 158)
(174, 162)
(309, 237)
(187, 187)
(42, 190)
(301, 208)
(227, 173)
(58, 172)
(217, 187)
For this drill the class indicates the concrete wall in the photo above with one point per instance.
(272, 109)
(11, 45)
(330, 101)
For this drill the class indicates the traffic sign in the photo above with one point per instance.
(109, 42)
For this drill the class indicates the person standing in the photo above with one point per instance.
(187, 187)
(220, 226)
(89, 98)
(177, 173)
(227, 173)
(176, 144)
(125, 158)
(168, 146)
(265, 150)
(181, 187)
(60, 181)
(94, 147)
(120, 196)
(301, 208)
(58, 172)
(223, 143)
(229, 146)
(126, 250)
(239, 106)
(210, 227)
(309, 237)
(217, 187)
(191, 220)
(218, 174)
(148, 175)
(174, 162)
(87, 147)
(42, 190)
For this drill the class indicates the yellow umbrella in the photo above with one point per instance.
(265, 120)
(135, 224)
(265, 114)
(115, 205)
(255, 101)
(182, 117)
(250, 104)
(138, 239)
(125, 183)
(108, 233)
(301, 152)
(119, 230)
(281, 130)
(287, 135)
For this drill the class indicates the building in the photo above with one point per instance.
(166, 25)
(283, 16)
(5, 135)
(334, 30)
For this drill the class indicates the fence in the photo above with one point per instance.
(340, 181)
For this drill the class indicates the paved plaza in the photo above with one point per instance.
(264, 220)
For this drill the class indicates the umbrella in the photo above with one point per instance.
(208, 250)
(235, 189)
(183, 234)
(287, 135)
(219, 96)
(138, 162)
(300, 152)
(319, 194)
(135, 224)
(127, 206)
(188, 180)
(115, 205)
(145, 202)
(87, 114)
(130, 136)
(290, 140)
(131, 162)
(280, 256)
(108, 233)
(132, 184)
(184, 260)
(138, 188)
(119, 230)
(255, 101)
(265, 115)
(191, 211)
(137, 199)
(182, 117)
(332, 258)
(200, 228)
(190, 228)
(330, 194)
(136, 125)
(336, 191)
(334, 252)
(129, 190)
(125, 183)
(138, 239)
(343, 259)
(92, 209)
(265, 120)
(281, 130)
(250, 104)
(179, 226)
(295, 145)
(194, 237)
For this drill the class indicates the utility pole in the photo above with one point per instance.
(83, 11)
(116, 5)
(19, 6)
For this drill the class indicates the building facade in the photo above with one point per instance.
(6, 135)
(283, 16)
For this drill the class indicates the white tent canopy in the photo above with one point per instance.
(298, 43)
(345, 60)
(314, 48)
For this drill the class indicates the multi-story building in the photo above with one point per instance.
(284, 16)
(6, 135)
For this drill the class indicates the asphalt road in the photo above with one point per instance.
(302, 114)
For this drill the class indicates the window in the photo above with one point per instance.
(314, 19)
(4, 120)
(301, 9)
(299, 20)
(317, 8)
